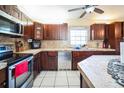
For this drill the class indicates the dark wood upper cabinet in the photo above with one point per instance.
(64, 32)
(34, 31)
(123, 29)
(55, 31)
(115, 35)
(97, 31)
(38, 31)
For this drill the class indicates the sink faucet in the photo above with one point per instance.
(97, 45)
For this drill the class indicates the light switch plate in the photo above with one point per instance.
(29, 40)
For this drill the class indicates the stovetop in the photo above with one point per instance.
(116, 70)
(12, 59)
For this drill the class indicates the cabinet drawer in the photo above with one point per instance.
(79, 54)
(52, 54)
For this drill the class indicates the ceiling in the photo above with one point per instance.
(60, 14)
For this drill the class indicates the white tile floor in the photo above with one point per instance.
(57, 79)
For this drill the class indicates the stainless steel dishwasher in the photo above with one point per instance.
(64, 60)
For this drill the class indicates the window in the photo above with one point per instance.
(78, 35)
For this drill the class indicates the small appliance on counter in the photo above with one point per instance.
(34, 44)
(116, 67)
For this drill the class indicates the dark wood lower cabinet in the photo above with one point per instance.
(78, 56)
(3, 79)
(49, 60)
(37, 65)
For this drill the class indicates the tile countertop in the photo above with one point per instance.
(94, 71)
(35, 51)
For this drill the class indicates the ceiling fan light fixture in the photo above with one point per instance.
(90, 9)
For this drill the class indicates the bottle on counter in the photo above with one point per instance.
(109, 46)
(105, 43)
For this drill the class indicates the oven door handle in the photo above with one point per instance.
(12, 70)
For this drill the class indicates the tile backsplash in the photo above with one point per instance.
(11, 41)
(55, 44)
(66, 44)
(95, 44)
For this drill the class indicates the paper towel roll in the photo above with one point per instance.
(122, 51)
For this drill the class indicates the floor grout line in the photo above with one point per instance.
(43, 79)
(55, 80)
(67, 79)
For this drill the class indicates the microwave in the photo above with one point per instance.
(10, 25)
(35, 44)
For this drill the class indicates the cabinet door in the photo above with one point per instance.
(44, 63)
(3, 79)
(38, 30)
(45, 33)
(15, 12)
(115, 35)
(78, 56)
(55, 31)
(28, 29)
(97, 31)
(35, 66)
(63, 31)
(49, 60)
(52, 60)
(118, 30)
(123, 29)
(6, 8)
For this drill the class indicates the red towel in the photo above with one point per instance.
(21, 68)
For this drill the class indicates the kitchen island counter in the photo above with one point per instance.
(94, 72)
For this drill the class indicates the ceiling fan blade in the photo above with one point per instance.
(83, 14)
(75, 9)
(97, 10)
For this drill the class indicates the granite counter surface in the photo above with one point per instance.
(94, 71)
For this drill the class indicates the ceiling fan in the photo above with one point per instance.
(87, 9)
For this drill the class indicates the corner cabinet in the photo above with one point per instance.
(33, 30)
(115, 34)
